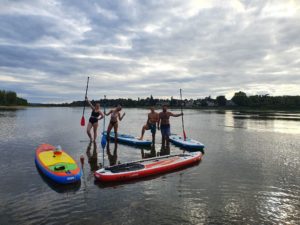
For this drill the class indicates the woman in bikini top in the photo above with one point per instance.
(115, 116)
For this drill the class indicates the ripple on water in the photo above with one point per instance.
(36, 206)
(279, 205)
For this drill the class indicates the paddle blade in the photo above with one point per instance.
(82, 122)
(103, 141)
(184, 135)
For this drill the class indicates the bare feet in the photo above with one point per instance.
(141, 138)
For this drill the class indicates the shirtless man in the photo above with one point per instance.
(164, 125)
(153, 118)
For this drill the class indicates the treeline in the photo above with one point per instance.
(266, 101)
(124, 102)
(10, 98)
(240, 99)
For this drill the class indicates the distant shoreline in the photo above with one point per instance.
(222, 108)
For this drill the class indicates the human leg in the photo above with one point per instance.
(88, 130)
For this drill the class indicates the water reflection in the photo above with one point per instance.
(164, 151)
(250, 174)
(278, 206)
(148, 154)
(112, 156)
(270, 122)
(59, 188)
(92, 156)
(8, 124)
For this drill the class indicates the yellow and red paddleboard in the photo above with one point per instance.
(57, 165)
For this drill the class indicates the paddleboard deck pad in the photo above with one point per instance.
(60, 168)
(147, 167)
(188, 144)
(129, 139)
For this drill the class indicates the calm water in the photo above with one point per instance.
(250, 173)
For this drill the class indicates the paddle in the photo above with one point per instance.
(82, 122)
(103, 140)
(184, 135)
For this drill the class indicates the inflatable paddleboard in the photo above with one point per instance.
(188, 144)
(147, 167)
(56, 164)
(129, 139)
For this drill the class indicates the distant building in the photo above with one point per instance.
(210, 103)
(161, 103)
(230, 103)
(189, 103)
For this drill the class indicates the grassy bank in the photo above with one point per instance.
(13, 107)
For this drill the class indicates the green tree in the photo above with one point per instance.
(2, 98)
(11, 98)
(240, 98)
(221, 100)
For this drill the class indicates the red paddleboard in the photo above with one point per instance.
(147, 167)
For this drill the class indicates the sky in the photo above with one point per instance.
(132, 49)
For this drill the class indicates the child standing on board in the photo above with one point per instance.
(96, 115)
(115, 116)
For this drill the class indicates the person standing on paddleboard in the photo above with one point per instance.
(93, 121)
(164, 125)
(153, 118)
(115, 116)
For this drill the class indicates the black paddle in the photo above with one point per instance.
(82, 118)
(103, 140)
(184, 135)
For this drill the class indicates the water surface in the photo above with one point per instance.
(250, 173)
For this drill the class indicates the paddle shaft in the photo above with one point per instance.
(104, 112)
(103, 141)
(182, 115)
(87, 86)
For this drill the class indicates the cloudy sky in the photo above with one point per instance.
(137, 48)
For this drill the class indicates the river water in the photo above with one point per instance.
(250, 172)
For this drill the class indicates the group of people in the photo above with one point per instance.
(156, 121)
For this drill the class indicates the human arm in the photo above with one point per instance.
(121, 117)
(157, 119)
(90, 104)
(107, 114)
(101, 116)
(158, 122)
(175, 115)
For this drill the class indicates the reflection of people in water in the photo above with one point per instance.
(150, 154)
(165, 151)
(112, 158)
(92, 157)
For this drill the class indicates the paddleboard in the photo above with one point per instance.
(129, 139)
(57, 165)
(147, 167)
(188, 144)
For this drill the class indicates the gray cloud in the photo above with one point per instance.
(137, 48)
